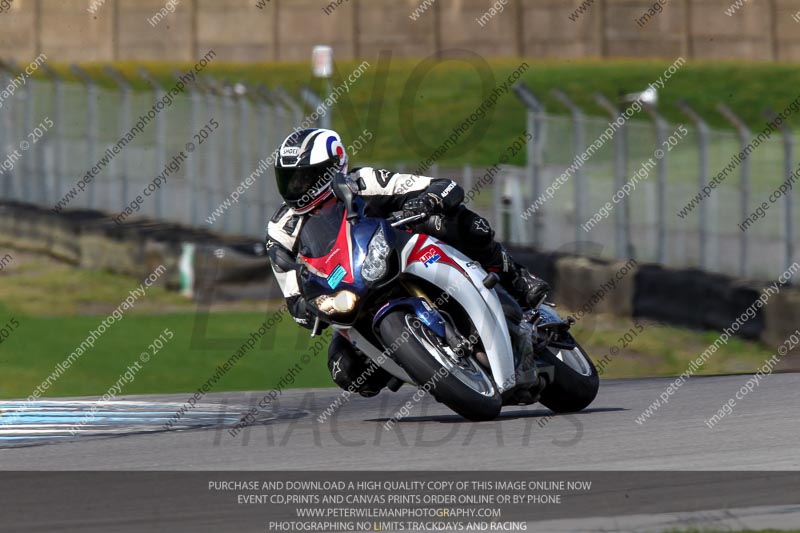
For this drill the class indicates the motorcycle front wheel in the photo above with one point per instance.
(459, 383)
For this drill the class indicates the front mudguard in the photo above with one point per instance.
(420, 307)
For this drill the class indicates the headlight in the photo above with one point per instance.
(374, 267)
(340, 302)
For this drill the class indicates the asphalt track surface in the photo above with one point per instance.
(660, 470)
(760, 434)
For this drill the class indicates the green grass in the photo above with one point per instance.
(38, 344)
(450, 91)
(191, 357)
(661, 349)
(56, 306)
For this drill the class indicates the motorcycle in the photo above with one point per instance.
(431, 317)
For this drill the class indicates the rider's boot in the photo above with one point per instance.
(526, 288)
(352, 370)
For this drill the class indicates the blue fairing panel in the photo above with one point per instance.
(427, 314)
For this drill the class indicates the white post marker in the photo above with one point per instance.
(322, 61)
(322, 67)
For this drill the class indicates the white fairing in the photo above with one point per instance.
(482, 304)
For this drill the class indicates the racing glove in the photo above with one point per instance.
(425, 204)
(305, 314)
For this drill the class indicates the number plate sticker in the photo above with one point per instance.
(336, 276)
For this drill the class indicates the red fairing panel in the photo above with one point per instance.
(430, 254)
(340, 255)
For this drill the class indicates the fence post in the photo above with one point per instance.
(17, 183)
(211, 159)
(245, 153)
(533, 168)
(228, 163)
(702, 151)
(312, 100)
(161, 139)
(290, 104)
(268, 134)
(192, 181)
(744, 184)
(578, 147)
(788, 199)
(125, 125)
(17, 116)
(6, 128)
(622, 230)
(276, 131)
(497, 208)
(28, 165)
(58, 105)
(91, 127)
(4, 191)
(660, 125)
(280, 110)
(466, 176)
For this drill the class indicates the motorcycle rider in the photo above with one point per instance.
(305, 164)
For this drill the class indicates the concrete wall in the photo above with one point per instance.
(287, 29)
(684, 297)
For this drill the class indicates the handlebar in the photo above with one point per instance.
(412, 218)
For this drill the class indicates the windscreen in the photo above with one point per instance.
(320, 230)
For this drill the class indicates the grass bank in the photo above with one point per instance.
(54, 307)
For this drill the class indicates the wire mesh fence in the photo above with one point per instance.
(693, 196)
(190, 164)
(179, 165)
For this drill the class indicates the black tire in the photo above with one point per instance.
(422, 367)
(570, 391)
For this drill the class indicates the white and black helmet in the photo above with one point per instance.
(307, 161)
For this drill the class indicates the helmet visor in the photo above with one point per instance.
(302, 184)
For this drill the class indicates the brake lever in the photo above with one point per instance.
(412, 218)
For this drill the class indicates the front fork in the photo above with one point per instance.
(549, 328)
(462, 346)
(538, 329)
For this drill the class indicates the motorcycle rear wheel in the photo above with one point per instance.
(576, 381)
